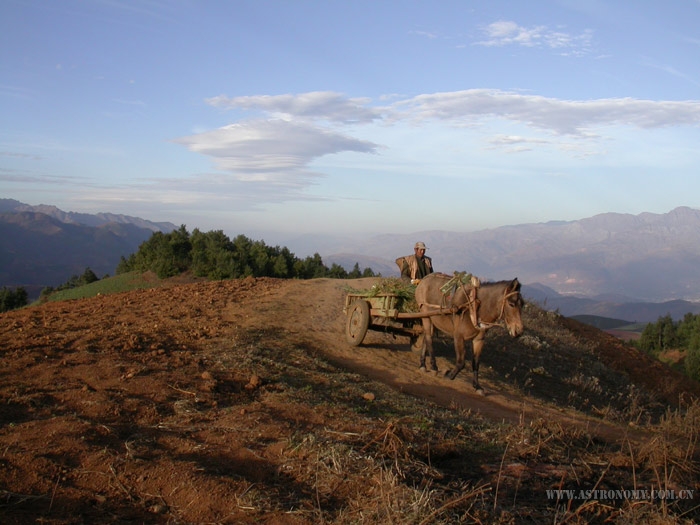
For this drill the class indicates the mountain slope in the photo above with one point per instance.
(43, 246)
(37, 250)
(240, 402)
(648, 257)
(86, 219)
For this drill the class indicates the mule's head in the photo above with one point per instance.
(512, 308)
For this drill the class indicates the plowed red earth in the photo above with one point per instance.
(130, 407)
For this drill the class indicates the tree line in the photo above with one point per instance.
(214, 256)
(667, 334)
(211, 255)
(76, 281)
(17, 298)
(12, 299)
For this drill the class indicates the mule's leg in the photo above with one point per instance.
(460, 355)
(477, 347)
(417, 340)
(433, 363)
(427, 341)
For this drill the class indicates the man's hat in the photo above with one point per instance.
(420, 245)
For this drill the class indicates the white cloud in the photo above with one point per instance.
(271, 150)
(563, 117)
(270, 157)
(505, 32)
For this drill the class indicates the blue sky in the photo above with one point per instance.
(271, 118)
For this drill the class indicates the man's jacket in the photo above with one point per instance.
(409, 266)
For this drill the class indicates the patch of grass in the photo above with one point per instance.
(109, 285)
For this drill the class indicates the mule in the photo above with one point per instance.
(467, 313)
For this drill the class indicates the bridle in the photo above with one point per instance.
(500, 320)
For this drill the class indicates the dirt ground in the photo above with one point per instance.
(172, 405)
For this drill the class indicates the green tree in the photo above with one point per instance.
(212, 255)
(88, 277)
(337, 272)
(241, 253)
(687, 328)
(259, 259)
(659, 336)
(166, 254)
(367, 272)
(124, 265)
(280, 268)
(13, 299)
(668, 332)
(355, 273)
(692, 358)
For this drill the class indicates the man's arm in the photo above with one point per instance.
(405, 269)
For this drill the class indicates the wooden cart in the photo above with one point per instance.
(379, 312)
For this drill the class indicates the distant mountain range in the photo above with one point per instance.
(84, 219)
(610, 264)
(630, 310)
(632, 267)
(43, 246)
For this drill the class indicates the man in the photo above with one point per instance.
(415, 267)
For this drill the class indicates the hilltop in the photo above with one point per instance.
(240, 402)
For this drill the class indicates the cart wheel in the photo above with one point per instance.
(358, 322)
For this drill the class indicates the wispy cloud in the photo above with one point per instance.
(563, 117)
(426, 34)
(125, 102)
(213, 191)
(670, 70)
(19, 155)
(517, 143)
(319, 105)
(31, 178)
(290, 132)
(505, 33)
(16, 92)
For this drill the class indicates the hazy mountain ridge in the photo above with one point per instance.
(613, 308)
(86, 219)
(646, 257)
(39, 249)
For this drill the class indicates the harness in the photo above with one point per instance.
(500, 320)
(449, 290)
(461, 280)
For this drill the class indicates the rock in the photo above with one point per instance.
(254, 382)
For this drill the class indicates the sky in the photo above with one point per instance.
(271, 118)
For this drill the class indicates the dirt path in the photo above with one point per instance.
(311, 313)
